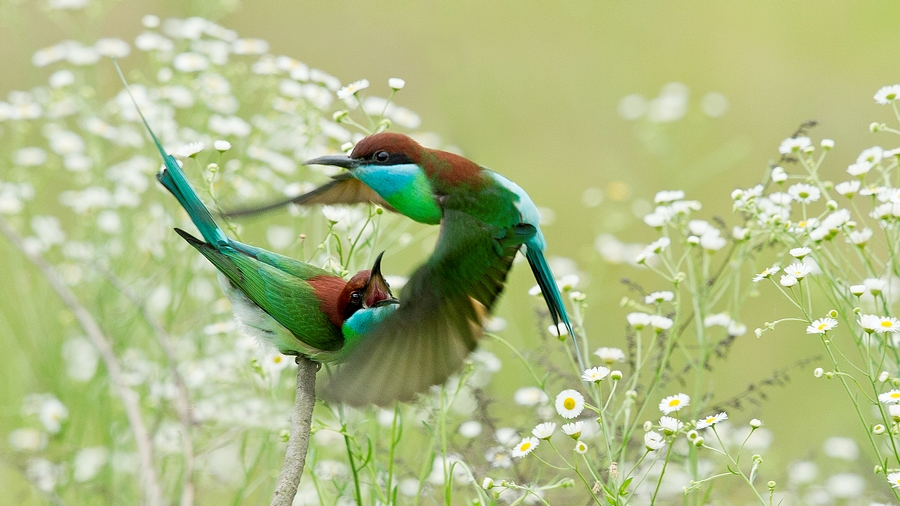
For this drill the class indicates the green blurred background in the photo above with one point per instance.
(532, 90)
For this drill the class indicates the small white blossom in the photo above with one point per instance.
(798, 270)
(859, 168)
(353, 88)
(821, 326)
(638, 320)
(711, 420)
(657, 297)
(653, 441)
(788, 280)
(799, 253)
(887, 94)
(670, 425)
(674, 403)
(794, 145)
(767, 273)
(848, 188)
(779, 175)
(190, 62)
(595, 374)
(569, 403)
(804, 193)
(544, 430)
(526, 446)
(396, 83)
(573, 429)
(610, 356)
(666, 196)
(660, 323)
(860, 237)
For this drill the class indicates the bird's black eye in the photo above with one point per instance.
(356, 298)
(382, 156)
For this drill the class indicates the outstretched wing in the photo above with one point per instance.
(344, 189)
(439, 319)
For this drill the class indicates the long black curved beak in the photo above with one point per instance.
(378, 292)
(334, 160)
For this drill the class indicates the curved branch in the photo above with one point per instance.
(152, 491)
(301, 417)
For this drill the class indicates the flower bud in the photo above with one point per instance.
(648, 426)
(616, 375)
(698, 442)
(487, 484)
(818, 372)
(339, 116)
(755, 423)
(878, 429)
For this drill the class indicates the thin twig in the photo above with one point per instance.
(301, 418)
(182, 398)
(152, 491)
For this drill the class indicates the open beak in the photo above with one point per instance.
(334, 160)
(378, 292)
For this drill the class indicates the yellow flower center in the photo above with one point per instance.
(895, 395)
(525, 447)
(674, 402)
(277, 359)
(569, 403)
(711, 419)
(887, 323)
(822, 326)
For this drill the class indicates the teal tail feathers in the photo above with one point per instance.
(552, 297)
(173, 178)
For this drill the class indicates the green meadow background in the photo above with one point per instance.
(532, 90)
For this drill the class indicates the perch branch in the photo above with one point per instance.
(301, 417)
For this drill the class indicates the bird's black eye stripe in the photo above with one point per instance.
(387, 158)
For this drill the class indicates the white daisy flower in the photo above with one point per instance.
(890, 397)
(821, 326)
(573, 429)
(569, 403)
(660, 323)
(779, 175)
(190, 62)
(659, 245)
(767, 273)
(352, 89)
(529, 396)
(711, 420)
(674, 403)
(894, 411)
(788, 281)
(610, 356)
(869, 322)
(249, 46)
(804, 193)
(657, 297)
(653, 441)
(894, 479)
(888, 324)
(794, 145)
(872, 155)
(848, 188)
(526, 446)
(875, 285)
(799, 253)
(859, 168)
(580, 448)
(885, 95)
(860, 237)
(222, 145)
(798, 270)
(670, 425)
(595, 374)
(858, 290)
(189, 149)
(544, 430)
(666, 196)
(396, 83)
(638, 320)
